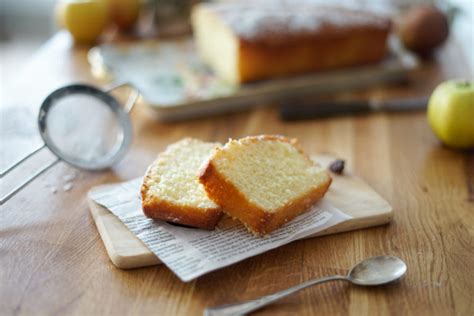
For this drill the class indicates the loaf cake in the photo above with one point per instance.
(171, 190)
(244, 41)
(264, 181)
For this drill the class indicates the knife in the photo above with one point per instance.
(294, 110)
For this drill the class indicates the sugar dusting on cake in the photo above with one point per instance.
(255, 20)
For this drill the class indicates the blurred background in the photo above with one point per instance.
(25, 25)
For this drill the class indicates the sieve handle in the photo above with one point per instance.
(132, 98)
(9, 195)
(114, 86)
(20, 161)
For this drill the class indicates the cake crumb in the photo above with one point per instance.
(337, 166)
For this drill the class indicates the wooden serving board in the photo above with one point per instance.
(347, 192)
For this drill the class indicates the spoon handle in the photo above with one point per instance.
(250, 306)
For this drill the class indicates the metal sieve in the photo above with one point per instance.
(83, 126)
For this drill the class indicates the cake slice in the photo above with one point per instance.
(264, 181)
(244, 41)
(171, 190)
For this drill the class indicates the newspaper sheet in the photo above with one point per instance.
(191, 252)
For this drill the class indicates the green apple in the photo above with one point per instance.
(451, 113)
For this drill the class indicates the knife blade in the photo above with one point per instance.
(293, 111)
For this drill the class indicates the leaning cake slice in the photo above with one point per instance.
(264, 181)
(171, 190)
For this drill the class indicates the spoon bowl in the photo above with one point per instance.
(377, 271)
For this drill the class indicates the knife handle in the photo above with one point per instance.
(295, 111)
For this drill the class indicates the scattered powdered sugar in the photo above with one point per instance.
(256, 19)
(70, 177)
(67, 182)
(52, 188)
(68, 186)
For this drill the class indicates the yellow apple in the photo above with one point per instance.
(84, 19)
(59, 14)
(124, 13)
(451, 113)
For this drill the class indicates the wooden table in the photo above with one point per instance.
(52, 260)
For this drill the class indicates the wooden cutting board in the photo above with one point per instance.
(347, 192)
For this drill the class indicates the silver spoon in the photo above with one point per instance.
(369, 272)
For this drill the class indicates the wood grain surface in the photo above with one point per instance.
(52, 261)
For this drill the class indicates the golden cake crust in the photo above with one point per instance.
(258, 61)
